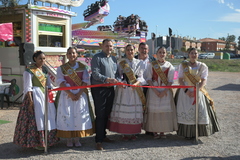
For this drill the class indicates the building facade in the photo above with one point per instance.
(210, 44)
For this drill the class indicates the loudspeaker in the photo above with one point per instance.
(26, 51)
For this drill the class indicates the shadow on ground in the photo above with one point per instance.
(12, 151)
(229, 87)
(237, 157)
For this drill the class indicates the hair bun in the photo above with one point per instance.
(38, 51)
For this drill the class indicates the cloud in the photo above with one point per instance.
(232, 17)
(220, 1)
(230, 5)
(237, 10)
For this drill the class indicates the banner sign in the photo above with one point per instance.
(53, 9)
(51, 14)
(74, 3)
(6, 32)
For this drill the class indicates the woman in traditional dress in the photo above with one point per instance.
(29, 131)
(161, 115)
(190, 73)
(127, 112)
(74, 116)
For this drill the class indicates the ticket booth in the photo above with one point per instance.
(46, 26)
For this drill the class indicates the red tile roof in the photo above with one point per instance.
(211, 40)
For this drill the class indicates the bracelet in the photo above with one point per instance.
(186, 90)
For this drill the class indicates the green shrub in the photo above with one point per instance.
(222, 65)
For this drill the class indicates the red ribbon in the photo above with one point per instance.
(115, 84)
(50, 97)
(119, 83)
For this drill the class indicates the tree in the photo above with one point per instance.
(176, 51)
(227, 46)
(7, 6)
(231, 38)
(222, 38)
(9, 3)
(183, 49)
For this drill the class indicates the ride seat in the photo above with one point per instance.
(8, 93)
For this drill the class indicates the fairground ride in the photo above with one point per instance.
(131, 27)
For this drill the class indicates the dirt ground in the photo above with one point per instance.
(223, 87)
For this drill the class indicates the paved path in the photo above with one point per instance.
(223, 87)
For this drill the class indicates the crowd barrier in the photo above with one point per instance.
(196, 90)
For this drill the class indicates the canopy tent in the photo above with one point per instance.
(6, 32)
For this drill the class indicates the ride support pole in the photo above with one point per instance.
(46, 119)
(196, 111)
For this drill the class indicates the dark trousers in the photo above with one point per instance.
(103, 102)
(145, 91)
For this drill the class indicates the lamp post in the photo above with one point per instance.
(156, 39)
(170, 36)
(177, 40)
(156, 29)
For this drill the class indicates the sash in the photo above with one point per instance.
(194, 81)
(67, 69)
(129, 72)
(159, 72)
(38, 74)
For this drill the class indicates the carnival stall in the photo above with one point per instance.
(38, 25)
(6, 34)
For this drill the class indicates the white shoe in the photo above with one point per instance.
(69, 142)
(77, 143)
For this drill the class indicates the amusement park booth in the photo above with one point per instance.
(36, 26)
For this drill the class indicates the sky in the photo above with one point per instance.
(193, 18)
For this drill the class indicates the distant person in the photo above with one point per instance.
(104, 70)
(127, 113)
(189, 74)
(120, 23)
(30, 128)
(184, 58)
(133, 23)
(74, 113)
(161, 114)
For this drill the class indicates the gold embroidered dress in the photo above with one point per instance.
(73, 117)
(208, 123)
(161, 112)
(127, 112)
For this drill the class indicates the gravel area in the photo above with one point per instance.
(223, 87)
